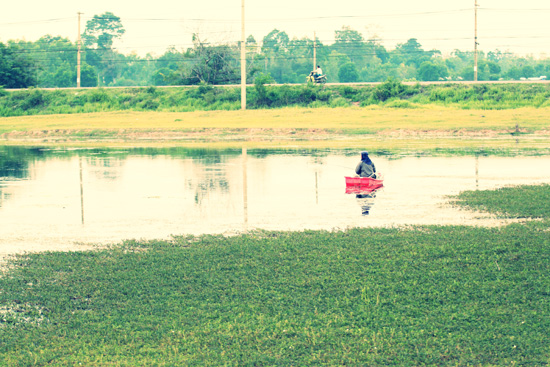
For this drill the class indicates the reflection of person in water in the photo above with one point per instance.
(366, 201)
(365, 168)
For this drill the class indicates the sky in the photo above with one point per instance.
(520, 27)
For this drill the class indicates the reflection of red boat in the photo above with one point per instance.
(363, 184)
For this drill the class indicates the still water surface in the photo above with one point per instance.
(52, 199)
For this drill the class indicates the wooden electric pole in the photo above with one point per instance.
(78, 54)
(314, 51)
(243, 60)
(475, 42)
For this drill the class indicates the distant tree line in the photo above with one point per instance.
(52, 61)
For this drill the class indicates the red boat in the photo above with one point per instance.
(363, 184)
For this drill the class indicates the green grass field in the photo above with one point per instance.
(433, 295)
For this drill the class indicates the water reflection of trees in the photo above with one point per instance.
(206, 186)
(105, 167)
(13, 168)
(106, 163)
(14, 165)
(209, 176)
(15, 161)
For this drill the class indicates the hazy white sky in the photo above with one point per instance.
(522, 27)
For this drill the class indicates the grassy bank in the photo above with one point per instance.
(392, 94)
(383, 116)
(432, 295)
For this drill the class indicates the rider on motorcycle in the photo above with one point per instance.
(316, 76)
(318, 72)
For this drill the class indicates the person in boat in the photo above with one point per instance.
(365, 168)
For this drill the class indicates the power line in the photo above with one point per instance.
(516, 10)
(276, 57)
(261, 20)
(26, 22)
(237, 20)
(323, 41)
(351, 45)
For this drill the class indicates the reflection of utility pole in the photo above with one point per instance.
(477, 172)
(245, 190)
(316, 189)
(81, 191)
(475, 42)
(78, 54)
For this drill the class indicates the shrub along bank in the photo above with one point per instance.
(181, 99)
(431, 295)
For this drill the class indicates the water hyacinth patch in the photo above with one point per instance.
(432, 295)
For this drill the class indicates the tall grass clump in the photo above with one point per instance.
(266, 96)
(501, 96)
(339, 102)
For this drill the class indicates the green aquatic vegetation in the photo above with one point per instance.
(430, 295)
(518, 201)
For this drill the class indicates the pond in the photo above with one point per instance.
(54, 199)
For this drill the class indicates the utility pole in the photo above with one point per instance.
(475, 42)
(243, 60)
(314, 51)
(78, 54)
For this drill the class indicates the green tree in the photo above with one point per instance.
(275, 48)
(16, 68)
(275, 42)
(375, 71)
(465, 56)
(171, 59)
(494, 70)
(102, 30)
(334, 61)
(55, 58)
(64, 76)
(300, 56)
(207, 64)
(514, 73)
(380, 51)
(429, 71)
(99, 35)
(410, 53)
(348, 73)
(351, 43)
(495, 56)
(527, 71)
(169, 66)
(88, 76)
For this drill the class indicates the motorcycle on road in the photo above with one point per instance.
(314, 78)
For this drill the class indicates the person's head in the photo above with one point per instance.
(364, 156)
(318, 66)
